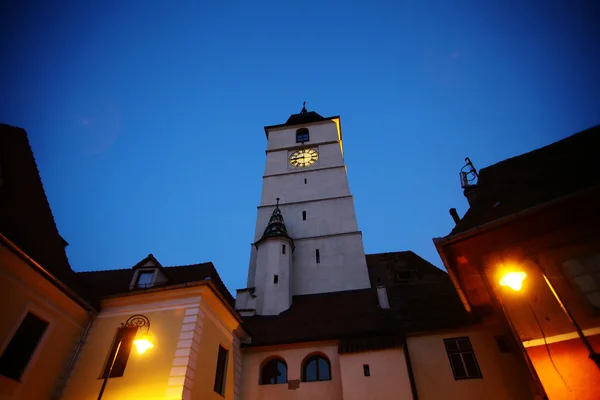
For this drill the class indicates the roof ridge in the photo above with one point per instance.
(128, 269)
(540, 149)
(391, 252)
(102, 270)
(190, 265)
(335, 293)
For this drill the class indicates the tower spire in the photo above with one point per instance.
(276, 225)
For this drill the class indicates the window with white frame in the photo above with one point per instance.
(462, 358)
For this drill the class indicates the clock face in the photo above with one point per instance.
(304, 158)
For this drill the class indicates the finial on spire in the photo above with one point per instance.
(303, 108)
(278, 202)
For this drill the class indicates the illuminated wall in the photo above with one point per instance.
(503, 376)
(388, 375)
(293, 355)
(24, 290)
(187, 325)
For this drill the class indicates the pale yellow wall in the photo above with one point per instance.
(388, 380)
(214, 333)
(21, 290)
(146, 375)
(503, 376)
(253, 359)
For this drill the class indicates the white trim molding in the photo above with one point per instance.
(183, 369)
(561, 338)
(237, 369)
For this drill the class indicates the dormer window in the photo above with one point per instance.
(148, 273)
(144, 279)
(302, 135)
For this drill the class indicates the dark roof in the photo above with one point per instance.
(276, 226)
(390, 268)
(548, 173)
(117, 281)
(25, 215)
(304, 118)
(425, 303)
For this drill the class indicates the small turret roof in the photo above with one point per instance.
(276, 226)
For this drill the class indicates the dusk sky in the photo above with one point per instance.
(146, 117)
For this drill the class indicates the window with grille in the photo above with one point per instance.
(585, 274)
(274, 372)
(316, 368)
(462, 358)
(302, 135)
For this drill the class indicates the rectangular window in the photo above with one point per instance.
(585, 274)
(503, 345)
(302, 135)
(144, 279)
(366, 370)
(462, 358)
(17, 354)
(303, 215)
(122, 343)
(221, 371)
(305, 181)
(318, 256)
(275, 278)
(283, 249)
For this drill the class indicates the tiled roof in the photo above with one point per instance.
(25, 215)
(548, 173)
(427, 301)
(117, 281)
(390, 268)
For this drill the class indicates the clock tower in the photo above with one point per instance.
(305, 191)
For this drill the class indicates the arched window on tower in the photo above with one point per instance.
(273, 372)
(316, 368)
(302, 135)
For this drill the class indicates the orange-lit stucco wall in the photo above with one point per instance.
(580, 375)
(24, 290)
(388, 379)
(253, 359)
(214, 334)
(503, 376)
(146, 375)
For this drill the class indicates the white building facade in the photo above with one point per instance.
(305, 178)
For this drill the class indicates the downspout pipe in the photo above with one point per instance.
(63, 381)
(411, 375)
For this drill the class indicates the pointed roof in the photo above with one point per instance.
(304, 117)
(276, 225)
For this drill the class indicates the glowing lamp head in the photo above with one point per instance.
(513, 280)
(142, 344)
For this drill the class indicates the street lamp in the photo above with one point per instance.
(142, 342)
(514, 280)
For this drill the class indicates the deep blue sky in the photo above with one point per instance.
(146, 118)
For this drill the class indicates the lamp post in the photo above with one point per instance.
(514, 280)
(142, 343)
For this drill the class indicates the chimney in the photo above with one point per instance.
(470, 193)
(454, 215)
(382, 297)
